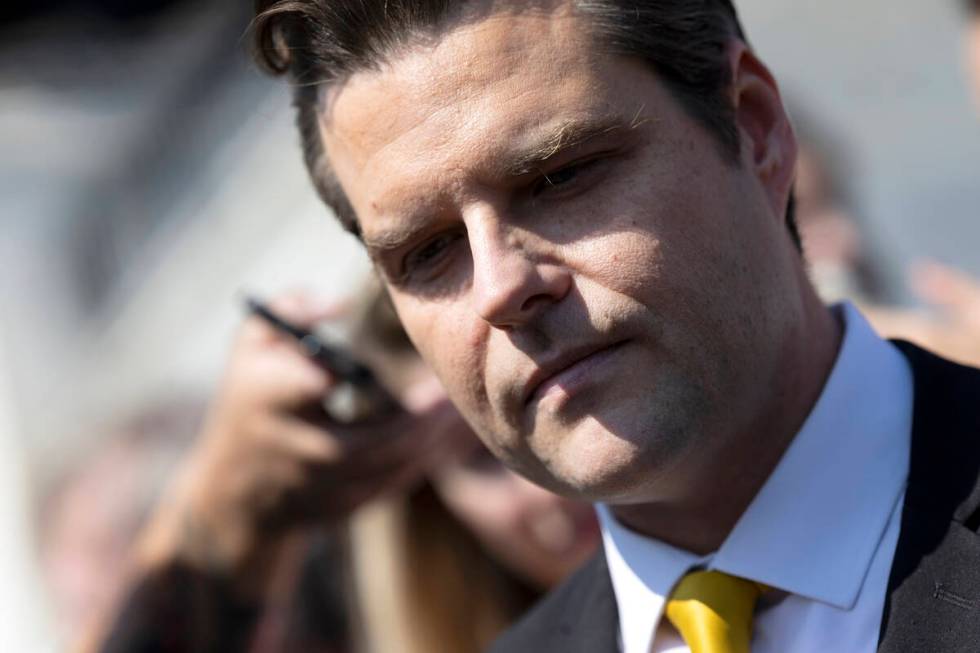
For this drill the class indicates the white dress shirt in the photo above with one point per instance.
(822, 530)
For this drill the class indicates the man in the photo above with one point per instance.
(582, 212)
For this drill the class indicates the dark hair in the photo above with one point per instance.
(318, 42)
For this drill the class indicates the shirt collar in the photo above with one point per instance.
(813, 528)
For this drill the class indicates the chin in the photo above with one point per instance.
(593, 464)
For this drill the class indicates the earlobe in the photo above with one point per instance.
(768, 141)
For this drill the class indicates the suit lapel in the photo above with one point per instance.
(936, 606)
(933, 599)
(591, 623)
(580, 616)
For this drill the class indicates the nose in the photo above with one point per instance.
(515, 275)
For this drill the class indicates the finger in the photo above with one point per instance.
(331, 474)
(348, 493)
(308, 508)
(307, 309)
(302, 308)
(392, 439)
(326, 448)
(288, 380)
(337, 486)
(308, 442)
(333, 450)
(945, 286)
(327, 495)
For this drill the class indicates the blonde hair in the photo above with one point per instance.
(423, 581)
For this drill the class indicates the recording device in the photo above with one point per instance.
(359, 396)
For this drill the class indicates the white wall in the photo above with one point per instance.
(888, 75)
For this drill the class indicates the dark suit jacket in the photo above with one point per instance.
(933, 599)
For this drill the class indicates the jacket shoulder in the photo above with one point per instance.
(938, 547)
(945, 461)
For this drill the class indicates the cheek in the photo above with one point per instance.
(630, 262)
(657, 229)
(453, 344)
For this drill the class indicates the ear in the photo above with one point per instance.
(768, 143)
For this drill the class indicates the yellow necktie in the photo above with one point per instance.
(713, 611)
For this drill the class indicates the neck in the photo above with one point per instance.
(714, 491)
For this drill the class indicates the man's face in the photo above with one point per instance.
(599, 289)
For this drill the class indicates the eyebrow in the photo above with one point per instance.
(566, 135)
(390, 240)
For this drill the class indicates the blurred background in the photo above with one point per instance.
(150, 175)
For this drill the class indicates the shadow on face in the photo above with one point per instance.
(600, 290)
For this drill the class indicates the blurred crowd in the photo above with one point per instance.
(250, 516)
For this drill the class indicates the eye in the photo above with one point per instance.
(426, 257)
(561, 178)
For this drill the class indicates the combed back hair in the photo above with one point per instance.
(317, 43)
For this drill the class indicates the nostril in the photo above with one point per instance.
(513, 279)
(531, 302)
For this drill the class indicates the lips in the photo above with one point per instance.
(569, 369)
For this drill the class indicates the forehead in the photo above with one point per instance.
(503, 50)
(461, 102)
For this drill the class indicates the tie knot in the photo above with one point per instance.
(713, 611)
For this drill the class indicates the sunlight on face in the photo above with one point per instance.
(597, 287)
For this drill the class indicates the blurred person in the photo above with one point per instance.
(843, 261)
(90, 517)
(264, 464)
(456, 551)
(972, 47)
(949, 322)
(582, 213)
(951, 294)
